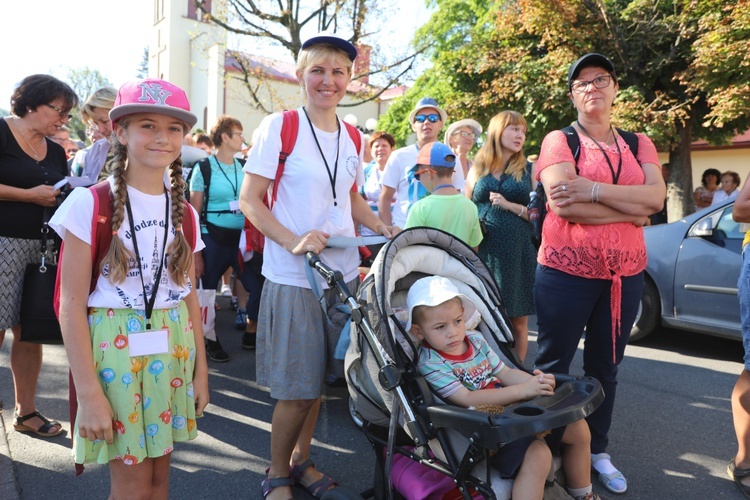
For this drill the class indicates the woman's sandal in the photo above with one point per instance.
(316, 489)
(271, 483)
(44, 430)
(607, 479)
(736, 475)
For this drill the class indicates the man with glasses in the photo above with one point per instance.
(427, 121)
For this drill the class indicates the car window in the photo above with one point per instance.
(719, 224)
(727, 228)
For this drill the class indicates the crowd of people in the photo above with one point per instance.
(192, 208)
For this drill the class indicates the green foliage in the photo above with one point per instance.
(84, 82)
(682, 65)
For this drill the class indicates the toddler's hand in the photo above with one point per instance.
(536, 385)
(548, 377)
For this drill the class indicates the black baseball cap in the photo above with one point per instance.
(334, 39)
(590, 59)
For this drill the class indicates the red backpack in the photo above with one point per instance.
(101, 235)
(289, 128)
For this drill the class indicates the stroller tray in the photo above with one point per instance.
(573, 400)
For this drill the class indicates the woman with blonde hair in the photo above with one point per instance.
(314, 201)
(95, 113)
(500, 183)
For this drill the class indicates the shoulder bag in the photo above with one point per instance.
(38, 321)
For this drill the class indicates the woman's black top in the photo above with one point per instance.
(17, 169)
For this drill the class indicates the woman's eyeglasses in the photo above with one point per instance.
(601, 82)
(432, 118)
(63, 114)
(463, 133)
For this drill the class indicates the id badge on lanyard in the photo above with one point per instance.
(149, 342)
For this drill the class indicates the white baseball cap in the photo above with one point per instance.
(433, 291)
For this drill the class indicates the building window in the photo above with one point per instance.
(194, 12)
(158, 10)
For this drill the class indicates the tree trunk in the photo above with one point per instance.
(680, 184)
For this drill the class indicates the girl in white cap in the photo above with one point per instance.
(133, 339)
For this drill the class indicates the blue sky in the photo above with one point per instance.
(52, 36)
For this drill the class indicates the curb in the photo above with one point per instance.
(8, 479)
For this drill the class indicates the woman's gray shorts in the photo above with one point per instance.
(15, 254)
(291, 345)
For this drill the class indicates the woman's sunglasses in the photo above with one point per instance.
(432, 118)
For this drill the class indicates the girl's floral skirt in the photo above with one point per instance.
(151, 396)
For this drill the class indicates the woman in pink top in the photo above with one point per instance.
(590, 273)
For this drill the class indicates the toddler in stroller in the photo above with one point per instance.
(461, 368)
(393, 404)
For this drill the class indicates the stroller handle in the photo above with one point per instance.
(329, 275)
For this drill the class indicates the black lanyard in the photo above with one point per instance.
(332, 178)
(236, 181)
(615, 176)
(149, 302)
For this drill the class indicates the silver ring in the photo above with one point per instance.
(564, 188)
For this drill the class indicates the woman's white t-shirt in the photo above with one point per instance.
(304, 199)
(75, 215)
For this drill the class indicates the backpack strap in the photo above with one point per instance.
(204, 164)
(289, 131)
(188, 225)
(101, 227)
(355, 136)
(574, 143)
(631, 140)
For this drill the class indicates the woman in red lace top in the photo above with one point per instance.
(591, 262)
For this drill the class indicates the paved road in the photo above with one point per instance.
(672, 433)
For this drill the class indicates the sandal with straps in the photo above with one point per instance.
(319, 487)
(271, 483)
(44, 430)
(736, 475)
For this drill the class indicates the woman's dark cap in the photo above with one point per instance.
(590, 59)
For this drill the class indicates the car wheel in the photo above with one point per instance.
(648, 313)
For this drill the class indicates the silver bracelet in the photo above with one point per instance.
(520, 214)
(597, 192)
(593, 187)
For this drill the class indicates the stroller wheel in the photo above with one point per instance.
(354, 414)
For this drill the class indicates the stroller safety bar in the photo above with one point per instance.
(390, 374)
(573, 400)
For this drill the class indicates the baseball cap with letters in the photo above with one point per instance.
(152, 96)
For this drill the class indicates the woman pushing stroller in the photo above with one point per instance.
(460, 366)
(314, 201)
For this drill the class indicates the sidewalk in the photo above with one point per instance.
(8, 480)
(227, 460)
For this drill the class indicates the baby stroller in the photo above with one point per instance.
(392, 403)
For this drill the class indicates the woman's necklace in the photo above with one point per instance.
(20, 130)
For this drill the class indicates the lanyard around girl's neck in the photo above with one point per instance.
(615, 175)
(332, 178)
(236, 180)
(149, 302)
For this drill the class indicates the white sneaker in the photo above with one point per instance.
(226, 291)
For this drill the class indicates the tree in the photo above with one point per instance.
(84, 82)
(282, 23)
(143, 67)
(681, 67)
